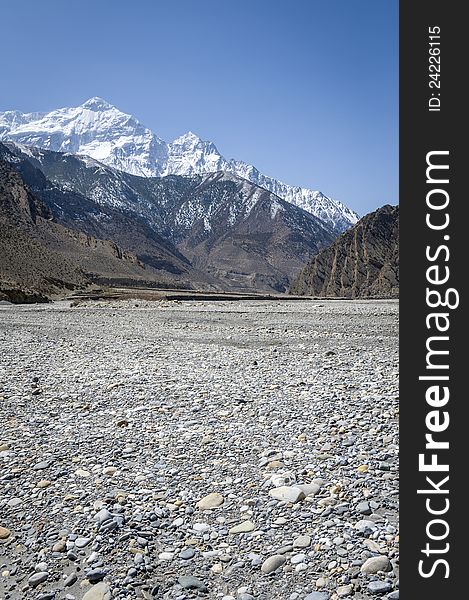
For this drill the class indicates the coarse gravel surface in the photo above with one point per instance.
(227, 450)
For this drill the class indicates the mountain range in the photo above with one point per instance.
(90, 196)
(215, 230)
(101, 131)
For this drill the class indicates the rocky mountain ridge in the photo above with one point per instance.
(361, 263)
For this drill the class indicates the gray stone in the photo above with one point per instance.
(14, 502)
(187, 553)
(379, 587)
(364, 508)
(285, 549)
(189, 582)
(103, 515)
(273, 563)
(95, 575)
(317, 596)
(298, 558)
(59, 546)
(365, 526)
(302, 541)
(243, 527)
(213, 500)
(375, 564)
(40, 466)
(82, 542)
(71, 579)
(308, 489)
(38, 578)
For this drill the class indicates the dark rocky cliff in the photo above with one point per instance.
(363, 262)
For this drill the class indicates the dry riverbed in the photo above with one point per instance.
(226, 450)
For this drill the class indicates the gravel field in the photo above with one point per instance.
(176, 450)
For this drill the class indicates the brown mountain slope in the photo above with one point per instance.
(362, 262)
(260, 246)
(214, 230)
(39, 255)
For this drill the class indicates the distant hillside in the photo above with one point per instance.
(39, 257)
(363, 262)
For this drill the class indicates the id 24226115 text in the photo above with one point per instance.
(434, 68)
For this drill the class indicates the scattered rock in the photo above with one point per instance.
(213, 500)
(298, 558)
(344, 590)
(14, 502)
(288, 494)
(376, 564)
(110, 471)
(379, 587)
(243, 527)
(43, 483)
(273, 563)
(71, 579)
(309, 489)
(102, 515)
(187, 553)
(100, 591)
(189, 582)
(364, 508)
(317, 596)
(95, 575)
(40, 466)
(38, 578)
(82, 473)
(128, 507)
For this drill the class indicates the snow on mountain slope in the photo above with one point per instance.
(101, 131)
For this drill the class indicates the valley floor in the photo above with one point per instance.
(118, 417)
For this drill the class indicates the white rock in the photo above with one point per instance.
(213, 500)
(287, 494)
(376, 564)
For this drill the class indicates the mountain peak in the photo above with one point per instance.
(187, 138)
(97, 103)
(103, 132)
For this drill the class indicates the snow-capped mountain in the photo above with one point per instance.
(96, 129)
(101, 131)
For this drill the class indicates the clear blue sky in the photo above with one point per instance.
(306, 90)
